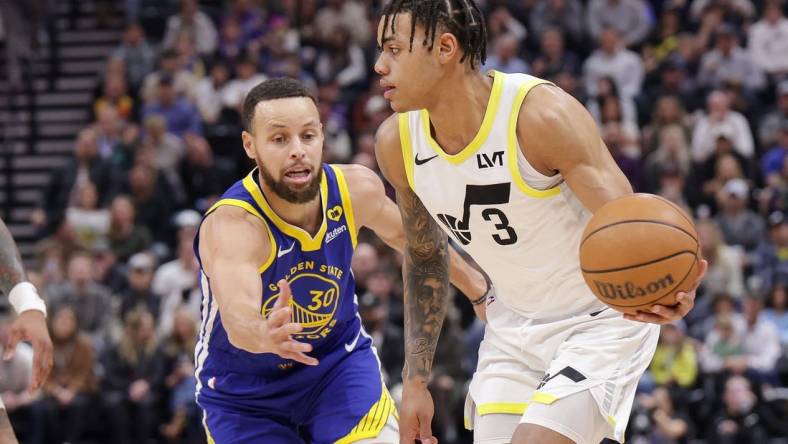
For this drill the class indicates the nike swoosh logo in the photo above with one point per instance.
(284, 252)
(423, 161)
(352, 345)
(596, 313)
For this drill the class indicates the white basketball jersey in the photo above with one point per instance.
(521, 227)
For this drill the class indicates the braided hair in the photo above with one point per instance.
(462, 18)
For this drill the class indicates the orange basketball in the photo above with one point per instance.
(638, 251)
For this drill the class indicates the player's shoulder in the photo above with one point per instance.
(231, 225)
(363, 183)
(553, 123)
(388, 151)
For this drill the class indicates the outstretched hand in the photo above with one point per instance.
(280, 330)
(31, 326)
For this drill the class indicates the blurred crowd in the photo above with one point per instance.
(691, 98)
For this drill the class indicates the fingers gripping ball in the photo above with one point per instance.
(638, 251)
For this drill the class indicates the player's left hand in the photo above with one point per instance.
(31, 326)
(663, 314)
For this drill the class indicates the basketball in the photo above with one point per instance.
(639, 251)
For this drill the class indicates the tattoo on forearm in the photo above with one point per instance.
(11, 270)
(426, 286)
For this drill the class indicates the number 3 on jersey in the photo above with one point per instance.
(495, 194)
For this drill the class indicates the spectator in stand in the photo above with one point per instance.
(89, 222)
(675, 84)
(563, 16)
(181, 115)
(176, 285)
(126, 237)
(61, 191)
(195, 23)
(247, 77)
(249, 18)
(775, 121)
(770, 260)
(725, 271)
(202, 177)
(500, 21)
(738, 421)
(675, 362)
(177, 353)
(348, 14)
(62, 413)
(116, 95)
(768, 40)
(137, 53)
(153, 199)
(231, 43)
(91, 302)
(776, 311)
(506, 58)
(629, 17)
(739, 225)
(760, 343)
(729, 64)
(109, 130)
(613, 60)
(554, 58)
(672, 152)
(139, 295)
(207, 93)
(668, 111)
(722, 349)
(720, 119)
(619, 143)
(170, 67)
(167, 147)
(132, 380)
(341, 63)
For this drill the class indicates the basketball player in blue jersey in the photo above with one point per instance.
(512, 168)
(282, 356)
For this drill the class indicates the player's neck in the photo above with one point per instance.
(308, 216)
(457, 116)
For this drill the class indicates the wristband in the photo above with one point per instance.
(24, 297)
(483, 297)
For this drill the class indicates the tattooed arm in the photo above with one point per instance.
(426, 277)
(30, 325)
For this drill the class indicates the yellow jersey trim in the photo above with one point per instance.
(543, 398)
(513, 146)
(308, 243)
(612, 421)
(407, 147)
(344, 192)
(481, 135)
(372, 423)
(509, 408)
(250, 209)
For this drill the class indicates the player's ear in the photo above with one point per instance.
(248, 142)
(448, 47)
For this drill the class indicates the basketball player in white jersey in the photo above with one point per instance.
(511, 168)
(30, 324)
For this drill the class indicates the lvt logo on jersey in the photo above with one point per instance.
(485, 161)
(629, 290)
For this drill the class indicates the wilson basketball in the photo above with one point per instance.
(638, 251)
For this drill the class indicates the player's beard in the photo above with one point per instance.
(296, 196)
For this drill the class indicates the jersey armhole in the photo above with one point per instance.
(251, 210)
(513, 146)
(407, 147)
(347, 204)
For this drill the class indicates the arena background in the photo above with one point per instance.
(120, 125)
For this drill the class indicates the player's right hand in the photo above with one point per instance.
(415, 414)
(280, 330)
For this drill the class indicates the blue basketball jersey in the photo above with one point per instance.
(317, 268)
